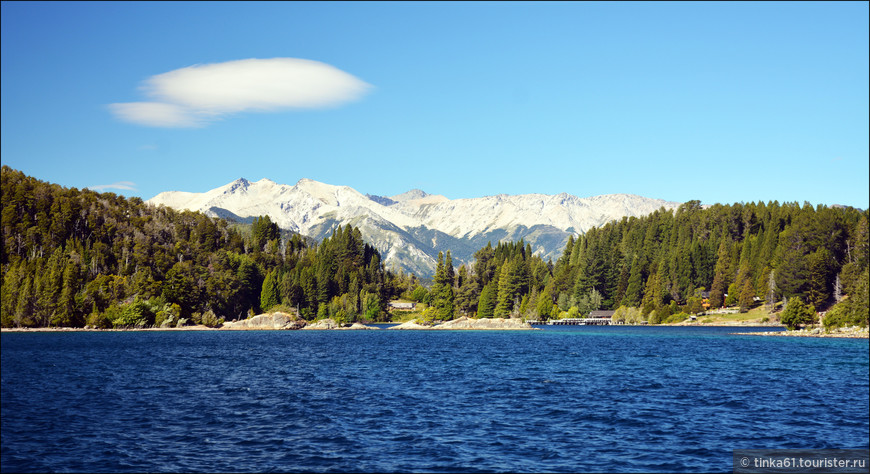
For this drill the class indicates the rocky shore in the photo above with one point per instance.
(266, 321)
(852, 332)
(261, 322)
(330, 323)
(197, 327)
(472, 324)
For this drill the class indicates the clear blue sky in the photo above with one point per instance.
(721, 102)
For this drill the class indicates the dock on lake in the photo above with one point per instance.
(579, 322)
(594, 318)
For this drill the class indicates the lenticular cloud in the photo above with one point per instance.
(195, 95)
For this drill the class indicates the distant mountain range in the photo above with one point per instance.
(410, 229)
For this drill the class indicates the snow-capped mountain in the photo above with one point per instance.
(410, 229)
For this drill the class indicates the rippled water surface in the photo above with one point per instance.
(563, 399)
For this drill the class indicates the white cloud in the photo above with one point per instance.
(195, 95)
(156, 114)
(125, 185)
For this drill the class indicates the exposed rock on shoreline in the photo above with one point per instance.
(412, 324)
(323, 324)
(852, 332)
(266, 321)
(330, 323)
(473, 324)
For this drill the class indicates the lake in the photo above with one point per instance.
(562, 399)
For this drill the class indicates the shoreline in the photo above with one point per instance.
(58, 329)
(206, 328)
(843, 333)
(854, 332)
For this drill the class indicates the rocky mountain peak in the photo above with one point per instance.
(410, 229)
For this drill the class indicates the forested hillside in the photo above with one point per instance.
(76, 257)
(662, 264)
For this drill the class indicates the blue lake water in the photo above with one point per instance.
(563, 399)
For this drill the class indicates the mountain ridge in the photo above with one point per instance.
(409, 229)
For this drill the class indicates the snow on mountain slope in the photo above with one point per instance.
(410, 228)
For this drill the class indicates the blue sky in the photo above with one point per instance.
(721, 102)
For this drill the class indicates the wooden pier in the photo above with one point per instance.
(573, 322)
(580, 322)
(594, 318)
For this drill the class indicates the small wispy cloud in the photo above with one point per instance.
(155, 114)
(196, 95)
(123, 185)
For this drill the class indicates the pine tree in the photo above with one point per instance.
(270, 294)
(791, 271)
(509, 288)
(820, 267)
(486, 305)
(634, 290)
(449, 275)
(747, 295)
(651, 295)
(545, 302)
(717, 291)
(467, 296)
(445, 303)
(442, 288)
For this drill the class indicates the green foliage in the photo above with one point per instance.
(797, 313)
(694, 305)
(486, 305)
(627, 315)
(467, 295)
(208, 319)
(168, 315)
(75, 258)
(100, 320)
(420, 294)
(747, 296)
(545, 303)
(372, 308)
(441, 294)
(263, 230)
(71, 258)
(137, 314)
(662, 263)
(854, 310)
(270, 295)
(676, 318)
(733, 296)
(510, 288)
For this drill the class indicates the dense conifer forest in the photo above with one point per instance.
(665, 266)
(77, 258)
(73, 258)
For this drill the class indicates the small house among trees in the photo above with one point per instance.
(401, 305)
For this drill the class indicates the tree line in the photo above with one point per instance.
(665, 265)
(76, 257)
(73, 258)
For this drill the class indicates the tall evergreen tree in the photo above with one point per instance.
(486, 305)
(270, 294)
(634, 290)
